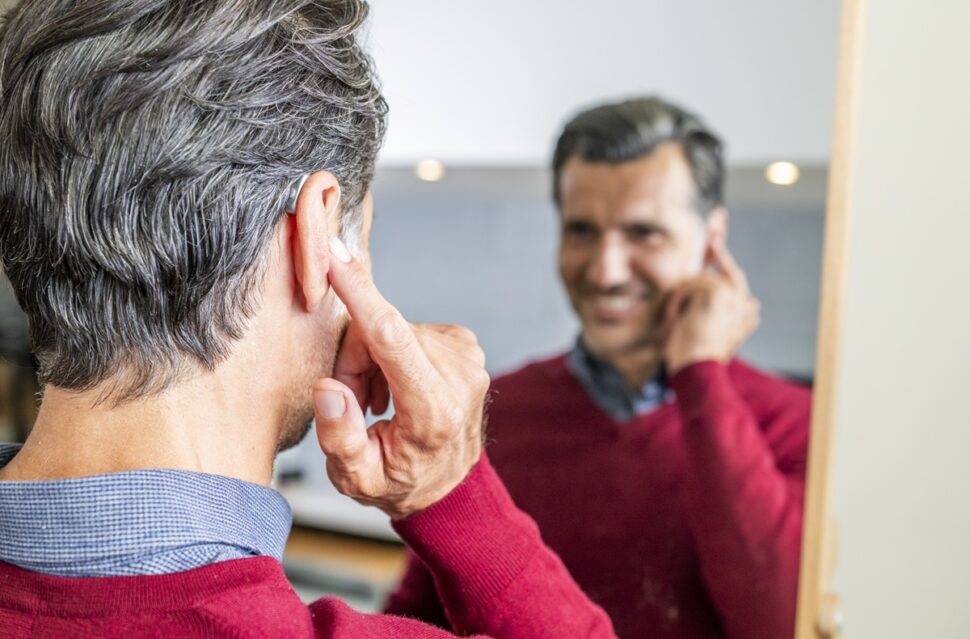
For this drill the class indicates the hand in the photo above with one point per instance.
(436, 375)
(709, 317)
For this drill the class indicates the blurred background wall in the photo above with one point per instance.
(478, 248)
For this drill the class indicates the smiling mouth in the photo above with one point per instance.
(614, 307)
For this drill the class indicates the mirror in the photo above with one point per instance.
(467, 231)
(672, 488)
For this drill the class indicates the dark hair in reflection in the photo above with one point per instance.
(147, 147)
(632, 129)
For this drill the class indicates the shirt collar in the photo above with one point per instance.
(136, 522)
(607, 388)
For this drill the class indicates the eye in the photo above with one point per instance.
(643, 233)
(578, 229)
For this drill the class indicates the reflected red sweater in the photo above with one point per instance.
(486, 554)
(683, 523)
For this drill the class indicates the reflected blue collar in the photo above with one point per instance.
(141, 522)
(609, 391)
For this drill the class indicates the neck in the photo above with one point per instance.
(637, 366)
(210, 424)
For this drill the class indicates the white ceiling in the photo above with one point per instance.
(490, 82)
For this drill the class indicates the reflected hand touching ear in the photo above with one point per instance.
(436, 375)
(710, 316)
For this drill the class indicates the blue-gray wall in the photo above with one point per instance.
(478, 249)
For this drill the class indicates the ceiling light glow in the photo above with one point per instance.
(782, 173)
(430, 170)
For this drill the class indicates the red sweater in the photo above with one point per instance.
(684, 523)
(483, 551)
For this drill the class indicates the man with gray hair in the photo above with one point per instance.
(666, 473)
(179, 185)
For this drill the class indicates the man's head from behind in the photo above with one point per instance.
(147, 150)
(639, 188)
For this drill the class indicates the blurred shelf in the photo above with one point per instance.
(360, 571)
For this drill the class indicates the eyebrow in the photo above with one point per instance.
(651, 223)
(585, 216)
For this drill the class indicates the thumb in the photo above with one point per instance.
(341, 429)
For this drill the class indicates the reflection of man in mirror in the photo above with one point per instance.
(666, 473)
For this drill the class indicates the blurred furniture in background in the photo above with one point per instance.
(361, 571)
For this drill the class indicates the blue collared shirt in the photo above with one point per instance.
(143, 522)
(609, 391)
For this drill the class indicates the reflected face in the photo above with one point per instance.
(629, 233)
(316, 352)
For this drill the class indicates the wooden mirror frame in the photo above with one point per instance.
(819, 612)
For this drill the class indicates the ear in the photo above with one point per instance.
(317, 220)
(717, 226)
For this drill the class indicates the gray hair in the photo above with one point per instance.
(628, 130)
(147, 149)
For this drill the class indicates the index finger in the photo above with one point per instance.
(388, 336)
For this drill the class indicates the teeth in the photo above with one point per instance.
(617, 304)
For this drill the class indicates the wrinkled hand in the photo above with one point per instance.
(436, 375)
(709, 317)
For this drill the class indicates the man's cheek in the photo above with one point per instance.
(571, 273)
(666, 271)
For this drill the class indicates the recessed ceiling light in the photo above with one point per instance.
(782, 173)
(430, 170)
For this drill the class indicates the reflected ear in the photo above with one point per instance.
(717, 226)
(317, 214)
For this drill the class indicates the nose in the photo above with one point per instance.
(611, 264)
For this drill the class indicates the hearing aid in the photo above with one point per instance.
(294, 193)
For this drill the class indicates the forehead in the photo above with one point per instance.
(657, 185)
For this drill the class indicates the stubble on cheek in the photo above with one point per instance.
(298, 405)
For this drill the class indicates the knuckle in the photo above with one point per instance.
(480, 379)
(391, 329)
(478, 354)
(423, 329)
(338, 450)
(447, 329)
(462, 333)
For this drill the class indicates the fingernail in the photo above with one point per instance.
(329, 404)
(339, 249)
